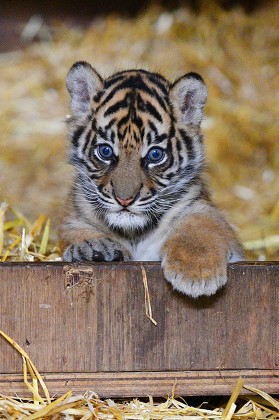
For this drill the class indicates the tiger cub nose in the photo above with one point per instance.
(124, 201)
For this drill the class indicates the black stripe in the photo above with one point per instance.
(124, 85)
(149, 139)
(179, 151)
(172, 131)
(137, 138)
(160, 99)
(110, 124)
(132, 82)
(170, 175)
(76, 135)
(84, 163)
(141, 103)
(113, 79)
(93, 124)
(161, 138)
(112, 137)
(104, 194)
(153, 111)
(157, 138)
(137, 121)
(124, 120)
(178, 145)
(153, 127)
(82, 254)
(117, 106)
(107, 133)
(125, 131)
(135, 82)
(98, 96)
(102, 133)
(113, 92)
(105, 246)
(87, 141)
(170, 161)
(153, 77)
(153, 92)
(79, 162)
(189, 144)
(160, 182)
(103, 200)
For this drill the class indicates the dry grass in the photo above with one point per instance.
(238, 56)
(22, 241)
(90, 406)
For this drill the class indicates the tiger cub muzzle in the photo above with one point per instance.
(127, 183)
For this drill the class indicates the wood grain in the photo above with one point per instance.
(157, 384)
(88, 322)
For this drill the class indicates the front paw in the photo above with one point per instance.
(96, 250)
(197, 274)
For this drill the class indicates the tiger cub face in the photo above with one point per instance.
(135, 143)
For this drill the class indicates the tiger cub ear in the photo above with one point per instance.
(83, 82)
(189, 94)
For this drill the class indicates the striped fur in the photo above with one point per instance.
(136, 145)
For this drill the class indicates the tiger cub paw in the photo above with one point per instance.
(96, 250)
(195, 275)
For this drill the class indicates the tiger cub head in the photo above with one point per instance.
(135, 143)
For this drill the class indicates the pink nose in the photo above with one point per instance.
(124, 201)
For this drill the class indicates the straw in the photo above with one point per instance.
(148, 308)
(22, 240)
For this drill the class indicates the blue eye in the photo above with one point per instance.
(104, 151)
(155, 155)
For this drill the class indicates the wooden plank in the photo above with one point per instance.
(90, 320)
(157, 384)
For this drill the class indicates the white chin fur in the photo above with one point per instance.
(126, 220)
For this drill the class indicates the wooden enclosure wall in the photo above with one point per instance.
(85, 327)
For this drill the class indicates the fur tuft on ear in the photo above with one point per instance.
(83, 82)
(188, 95)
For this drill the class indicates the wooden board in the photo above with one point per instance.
(85, 327)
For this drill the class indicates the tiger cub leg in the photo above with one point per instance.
(91, 246)
(195, 256)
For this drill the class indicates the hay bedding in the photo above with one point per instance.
(90, 406)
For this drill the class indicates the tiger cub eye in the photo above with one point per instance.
(104, 151)
(155, 155)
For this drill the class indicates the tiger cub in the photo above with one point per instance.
(139, 192)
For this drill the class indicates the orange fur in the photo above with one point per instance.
(76, 236)
(198, 248)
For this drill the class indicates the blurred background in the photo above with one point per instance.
(233, 44)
